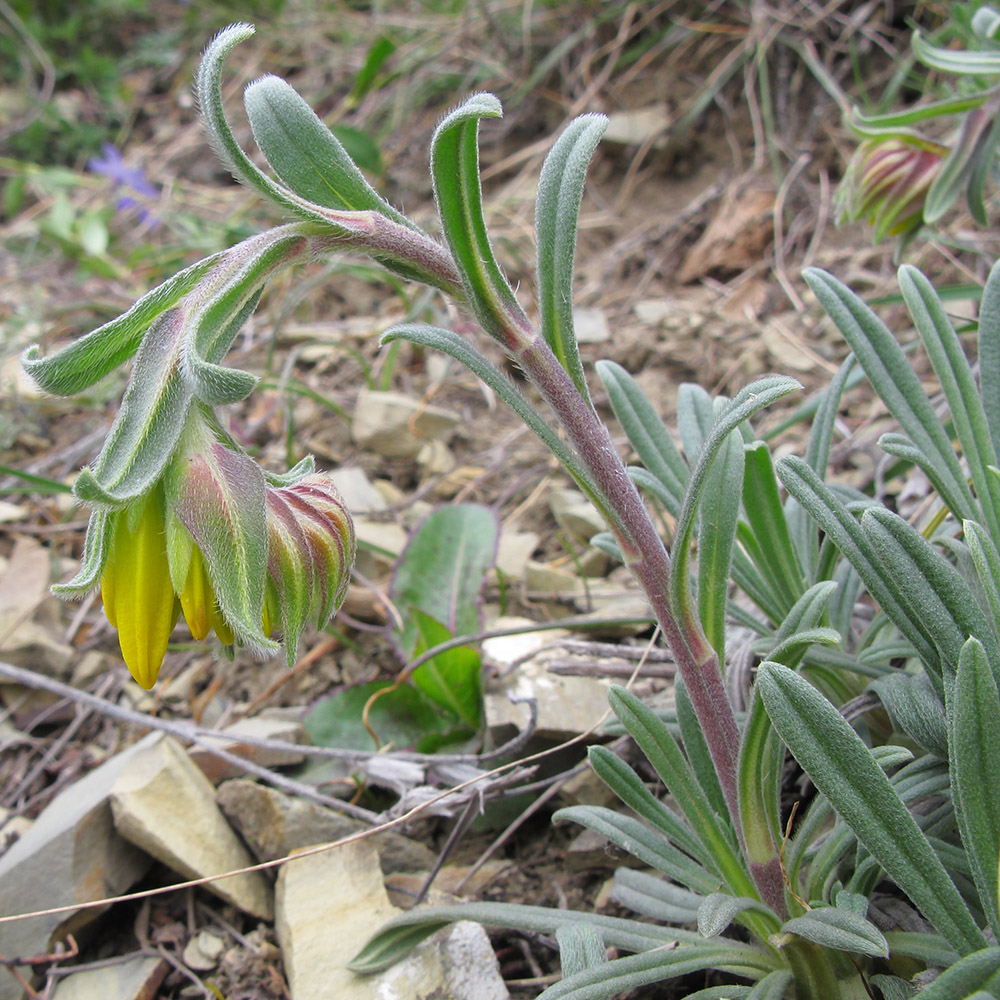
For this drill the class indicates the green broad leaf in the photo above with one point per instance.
(463, 351)
(960, 61)
(718, 910)
(766, 517)
(915, 709)
(758, 778)
(362, 149)
(645, 430)
(307, 156)
(931, 585)
(845, 771)
(403, 718)
(661, 749)
(455, 172)
(843, 529)
(378, 52)
(95, 546)
(637, 839)
(832, 927)
(978, 973)
(989, 352)
(453, 678)
(149, 423)
(896, 384)
(89, 359)
(655, 897)
(974, 746)
(580, 947)
(401, 934)
(442, 570)
(748, 401)
(624, 975)
(720, 509)
(632, 791)
(977, 138)
(557, 207)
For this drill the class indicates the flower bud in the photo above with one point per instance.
(311, 550)
(887, 182)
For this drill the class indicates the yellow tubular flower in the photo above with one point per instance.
(197, 597)
(136, 590)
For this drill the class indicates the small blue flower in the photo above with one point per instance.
(112, 165)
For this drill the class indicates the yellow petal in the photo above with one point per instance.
(143, 606)
(226, 635)
(197, 597)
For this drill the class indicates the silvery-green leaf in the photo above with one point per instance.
(82, 363)
(305, 154)
(832, 927)
(149, 424)
(560, 188)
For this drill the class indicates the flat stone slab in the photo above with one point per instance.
(163, 804)
(329, 904)
(71, 854)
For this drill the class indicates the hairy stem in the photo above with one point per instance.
(644, 553)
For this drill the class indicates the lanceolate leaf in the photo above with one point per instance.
(762, 504)
(915, 709)
(645, 430)
(750, 400)
(94, 548)
(401, 934)
(832, 927)
(85, 361)
(647, 845)
(455, 171)
(845, 771)
(665, 755)
(149, 424)
(720, 509)
(462, 350)
(895, 382)
(959, 385)
(629, 787)
(971, 974)
(931, 585)
(305, 154)
(845, 532)
(623, 975)
(560, 188)
(975, 765)
(989, 352)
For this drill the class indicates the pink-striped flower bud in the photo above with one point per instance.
(887, 182)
